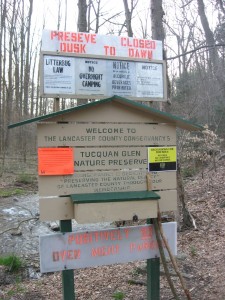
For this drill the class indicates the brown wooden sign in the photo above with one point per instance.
(104, 181)
(93, 134)
(110, 146)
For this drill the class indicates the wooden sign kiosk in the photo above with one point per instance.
(93, 161)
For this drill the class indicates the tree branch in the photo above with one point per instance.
(194, 50)
(163, 259)
(159, 223)
(18, 226)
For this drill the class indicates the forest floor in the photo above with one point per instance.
(201, 257)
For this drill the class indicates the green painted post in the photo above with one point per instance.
(67, 275)
(153, 276)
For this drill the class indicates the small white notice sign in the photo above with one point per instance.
(90, 76)
(149, 80)
(59, 75)
(81, 249)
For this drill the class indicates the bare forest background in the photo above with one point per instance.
(193, 35)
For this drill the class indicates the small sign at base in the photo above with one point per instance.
(74, 250)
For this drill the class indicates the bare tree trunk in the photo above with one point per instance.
(38, 98)
(59, 15)
(27, 78)
(182, 207)
(32, 97)
(89, 16)
(158, 33)
(97, 16)
(65, 15)
(9, 93)
(128, 15)
(2, 30)
(82, 19)
(22, 62)
(2, 86)
(221, 5)
(215, 62)
(17, 76)
(27, 62)
(208, 33)
(157, 14)
(82, 27)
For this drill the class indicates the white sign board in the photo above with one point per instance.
(85, 43)
(98, 78)
(109, 246)
(59, 75)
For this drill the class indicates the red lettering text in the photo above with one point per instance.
(146, 233)
(105, 250)
(80, 37)
(137, 43)
(73, 48)
(65, 254)
(136, 53)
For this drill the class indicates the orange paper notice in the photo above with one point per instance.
(55, 161)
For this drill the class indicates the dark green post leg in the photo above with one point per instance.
(153, 277)
(67, 275)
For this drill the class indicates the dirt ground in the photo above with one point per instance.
(201, 258)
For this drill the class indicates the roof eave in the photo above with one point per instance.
(179, 122)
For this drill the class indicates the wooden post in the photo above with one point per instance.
(56, 104)
(67, 275)
(153, 276)
(66, 226)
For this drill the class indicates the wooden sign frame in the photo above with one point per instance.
(58, 71)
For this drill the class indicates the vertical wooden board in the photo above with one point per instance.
(56, 208)
(105, 181)
(93, 134)
(164, 180)
(168, 200)
(114, 211)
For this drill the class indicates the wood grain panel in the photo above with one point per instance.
(61, 208)
(105, 181)
(74, 135)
